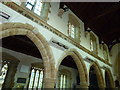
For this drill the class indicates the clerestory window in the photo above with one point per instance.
(71, 30)
(35, 5)
(39, 7)
(93, 43)
(74, 28)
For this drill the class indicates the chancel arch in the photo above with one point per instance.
(78, 62)
(95, 76)
(11, 29)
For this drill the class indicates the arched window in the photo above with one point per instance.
(3, 72)
(36, 78)
(64, 79)
(38, 7)
(93, 43)
(74, 28)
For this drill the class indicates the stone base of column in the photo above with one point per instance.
(82, 86)
(49, 83)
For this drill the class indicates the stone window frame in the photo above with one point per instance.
(93, 39)
(73, 21)
(44, 11)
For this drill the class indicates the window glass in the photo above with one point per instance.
(91, 44)
(36, 78)
(3, 73)
(38, 7)
(63, 81)
(35, 5)
(30, 4)
(31, 78)
(74, 28)
(40, 80)
(71, 30)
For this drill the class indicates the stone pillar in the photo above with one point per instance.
(101, 86)
(9, 79)
(49, 83)
(82, 87)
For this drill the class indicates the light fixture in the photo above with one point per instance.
(88, 30)
(102, 42)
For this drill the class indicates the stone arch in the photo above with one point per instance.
(112, 84)
(10, 29)
(95, 65)
(79, 63)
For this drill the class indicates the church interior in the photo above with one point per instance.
(64, 45)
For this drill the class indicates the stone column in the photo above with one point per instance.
(49, 82)
(9, 79)
(102, 87)
(82, 86)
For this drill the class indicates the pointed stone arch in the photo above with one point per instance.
(95, 65)
(112, 83)
(10, 29)
(80, 65)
